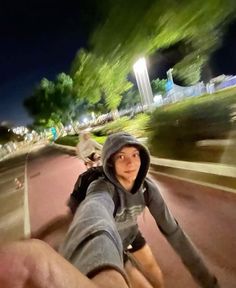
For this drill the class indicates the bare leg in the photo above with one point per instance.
(34, 264)
(149, 266)
(110, 279)
(136, 278)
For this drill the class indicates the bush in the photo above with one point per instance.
(116, 126)
(69, 140)
(99, 139)
(137, 126)
(176, 128)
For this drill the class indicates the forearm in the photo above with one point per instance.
(92, 243)
(181, 243)
(33, 263)
(65, 275)
(192, 260)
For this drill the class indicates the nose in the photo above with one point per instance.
(128, 159)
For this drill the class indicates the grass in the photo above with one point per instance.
(69, 140)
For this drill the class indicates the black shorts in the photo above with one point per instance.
(137, 244)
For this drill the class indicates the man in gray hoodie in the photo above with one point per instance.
(103, 241)
(97, 240)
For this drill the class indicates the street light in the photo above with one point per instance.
(143, 82)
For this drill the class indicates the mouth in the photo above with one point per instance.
(130, 171)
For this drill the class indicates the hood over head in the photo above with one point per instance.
(114, 143)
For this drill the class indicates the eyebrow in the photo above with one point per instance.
(122, 152)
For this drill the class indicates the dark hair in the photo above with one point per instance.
(110, 161)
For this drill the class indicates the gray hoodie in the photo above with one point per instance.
(96, 240)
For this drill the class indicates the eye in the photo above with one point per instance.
(121, 157)
(136, 155)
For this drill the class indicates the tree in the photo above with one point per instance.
(95, 78)
(160, 24)
(114, 83)
(52, 102)
(196, 53)
(130, 98)
(85, 75)
(159, 86)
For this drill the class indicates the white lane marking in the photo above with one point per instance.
(27, 228)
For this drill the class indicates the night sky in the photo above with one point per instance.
(40, 39)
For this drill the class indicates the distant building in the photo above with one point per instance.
(223, 81)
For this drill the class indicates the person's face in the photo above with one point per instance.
(127, 163)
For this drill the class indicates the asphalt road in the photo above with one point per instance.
(12, 171)
(207, 215)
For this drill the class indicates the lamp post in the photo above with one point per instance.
(143, 82)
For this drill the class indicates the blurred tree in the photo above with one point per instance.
(159, 24)
(85, 74)
(159, 86)
(95, 78)
(6, 135)
(196, 52)
(130, 98)
(52, 101)
(114, 83)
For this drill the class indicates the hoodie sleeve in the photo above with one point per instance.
(93, 242)
(179, 241)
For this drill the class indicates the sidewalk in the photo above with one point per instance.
(12, 208)
(14, 216)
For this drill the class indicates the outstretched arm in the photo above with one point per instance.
(93, 243)
(94, 251)
(33, 263)
(180, 242)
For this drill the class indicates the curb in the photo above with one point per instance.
(214, 175)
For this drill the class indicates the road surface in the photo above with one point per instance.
(207, 215)
(12, 213)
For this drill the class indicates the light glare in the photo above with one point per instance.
(140, 65)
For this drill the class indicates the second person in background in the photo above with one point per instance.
(88, 150)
